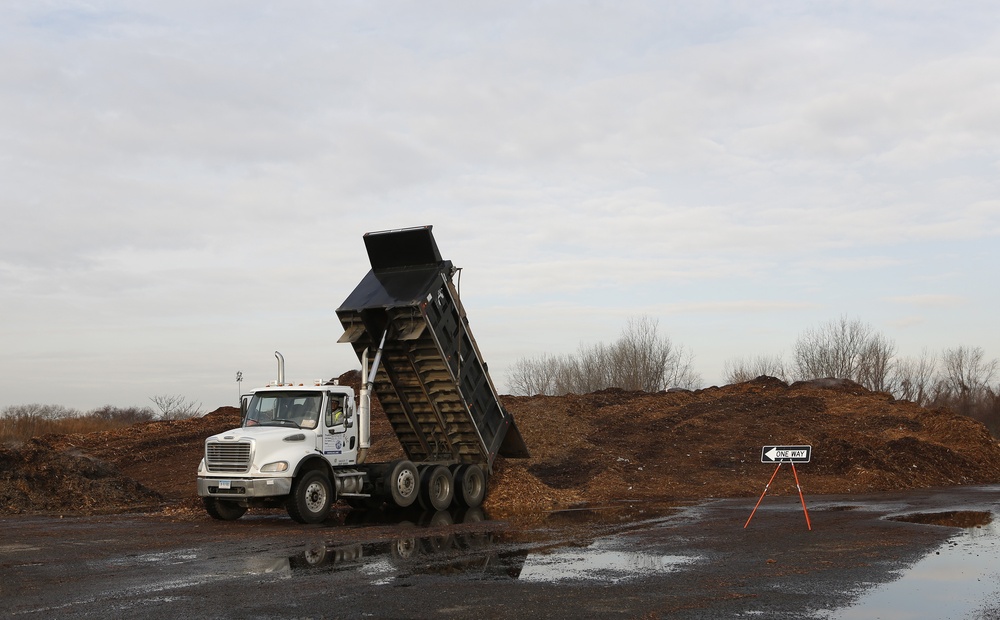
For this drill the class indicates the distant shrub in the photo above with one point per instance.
(175, 407)
(641, 359)
(36, 411)
(19, 423)
(747, 369)
(124, 415)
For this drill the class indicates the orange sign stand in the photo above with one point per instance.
(797, 486)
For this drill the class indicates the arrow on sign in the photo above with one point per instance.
(785, 454)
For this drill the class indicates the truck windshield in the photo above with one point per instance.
(294, 409)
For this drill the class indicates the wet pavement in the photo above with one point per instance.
(918, 554)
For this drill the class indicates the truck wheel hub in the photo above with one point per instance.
(315, 497)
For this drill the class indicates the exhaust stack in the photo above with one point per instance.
(281, 368)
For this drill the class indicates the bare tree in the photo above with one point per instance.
(746, 369)
(914, 378)
(966, 370)
(683, 374)
(966, 376)
(845, 349)
(875, 363)
(587, 371)
(641, 359)
(175, 407)
(536, 375)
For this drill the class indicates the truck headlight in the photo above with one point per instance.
(275, 467)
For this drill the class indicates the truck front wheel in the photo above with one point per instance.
(222, 510)
(311, 498)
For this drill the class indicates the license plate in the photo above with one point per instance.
(225, 484)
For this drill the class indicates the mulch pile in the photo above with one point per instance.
(588, 449)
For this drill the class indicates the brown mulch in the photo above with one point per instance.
(592, 449)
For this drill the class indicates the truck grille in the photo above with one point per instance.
(228, 457)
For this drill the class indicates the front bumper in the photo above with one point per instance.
(241, 488)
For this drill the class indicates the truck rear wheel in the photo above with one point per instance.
(311, 498)
(403, 482)
(222, 510)
(471, 483)
(437, 488)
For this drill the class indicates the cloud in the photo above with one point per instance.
(928, 300)
(907, 322)
(182, 176)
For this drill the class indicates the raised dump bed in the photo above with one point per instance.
(432, 383)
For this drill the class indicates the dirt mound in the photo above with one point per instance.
(36, 478)
(615, 445)
(594, 448)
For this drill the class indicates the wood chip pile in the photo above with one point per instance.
(591, 449)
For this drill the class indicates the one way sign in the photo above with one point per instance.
(785, 454)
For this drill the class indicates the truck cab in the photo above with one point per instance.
(287, 432)
(327, 413)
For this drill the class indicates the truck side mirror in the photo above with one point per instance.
(244, 405)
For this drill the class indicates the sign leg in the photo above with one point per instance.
(766, 487)
(802, 497)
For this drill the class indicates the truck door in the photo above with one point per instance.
(339, 433)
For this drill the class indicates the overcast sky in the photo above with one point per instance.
(185, 185)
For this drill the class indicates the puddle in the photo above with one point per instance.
(951, 518)
(631, 513)
(414, 516)
(595, 562)
(843, 508)
(483, 555)
(178, 556)
(486, 554)
(475, 554)
(952, 581)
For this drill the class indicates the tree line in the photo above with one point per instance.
(19, 423)
(643, 358)
(960, 378)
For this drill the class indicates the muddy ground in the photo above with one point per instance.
(591, 449)
(905, 555)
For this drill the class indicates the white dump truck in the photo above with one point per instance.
(306, 446)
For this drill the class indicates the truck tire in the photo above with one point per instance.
(437, 488)
(403, 482)
(222, 510)
(311, 498)
(471, 483)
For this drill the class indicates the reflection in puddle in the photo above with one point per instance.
(476, 555)
(597, 563)
(950, 582)
(429, 546)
